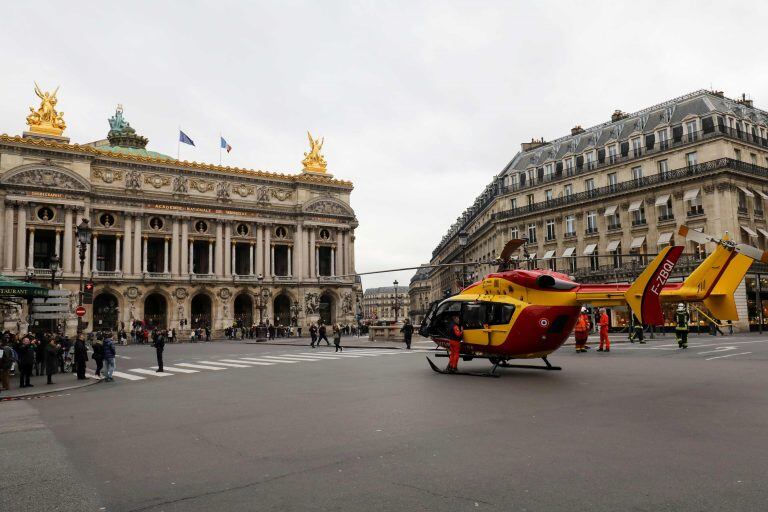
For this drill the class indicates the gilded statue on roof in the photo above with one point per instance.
(46, 119)
(314, 161)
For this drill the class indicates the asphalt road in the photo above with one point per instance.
(642, 428)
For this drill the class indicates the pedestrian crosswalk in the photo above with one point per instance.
(235, 363)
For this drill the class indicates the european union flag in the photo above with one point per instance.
(183, 137)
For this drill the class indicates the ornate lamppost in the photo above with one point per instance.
(463, 237)
(83, 239)
(54, 266)
(397, 303)
(295, 313)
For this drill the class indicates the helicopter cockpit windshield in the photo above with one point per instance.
(473, 315)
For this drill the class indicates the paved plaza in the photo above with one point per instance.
(235, 426)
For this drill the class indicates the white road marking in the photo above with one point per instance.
(200, 366)
(126, 376)
(150, 372)
(255, 363)
(176, 370)
(295, 359)
(334, 356)
(270, 359)
(728, 355)
(313, 356)
(123, 357)
(718, 349)
(231, 365)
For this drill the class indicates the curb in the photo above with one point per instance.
(48, 392)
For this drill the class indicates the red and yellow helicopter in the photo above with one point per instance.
(528, 314)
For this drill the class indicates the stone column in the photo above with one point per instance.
(260, 250)
(94, 248)
(298, 260)
(317, 261)
(229, 258)
(290, 261)
(219, 249)
(210, 257)
(267, 251)
(21, 238)
(350, 252)
(31, 249)
(137, 220)
(334, 255)
(233, 250)
(312, 254)
(271, 259)
(165, 255)
(118, 252)
(8, 253)
(185, 264)
(57, 245)
(191, 261)
(175, 248)
(127, 265)
(250, 259)
(145, 243)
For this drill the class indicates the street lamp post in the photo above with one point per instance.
(83, 239)
(54, 266)
(397, 305)
(463, 236)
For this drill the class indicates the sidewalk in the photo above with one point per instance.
(61, 382)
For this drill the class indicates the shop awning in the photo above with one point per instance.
(12, 288)
(763, 232)
(635, 205)
(568, 252)
(637, 242)
(664, 238)
(613, 245)
(692, 194)
(590, 249)
(548, 255)
(532, 256)
(749, 231)
(746, 191)
(662, 200)
(610, 210)
(761, 193)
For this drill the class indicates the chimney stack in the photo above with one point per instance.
(618, 115)
(744, 100)
(535, 143)
(577, 130)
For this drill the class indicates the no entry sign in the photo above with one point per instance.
(80, 311)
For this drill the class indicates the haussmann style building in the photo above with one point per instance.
(174, 243)
(599, 203)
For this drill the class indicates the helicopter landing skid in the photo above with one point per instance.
(504, 364)
(471, 374)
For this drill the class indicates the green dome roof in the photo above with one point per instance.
(135, 152)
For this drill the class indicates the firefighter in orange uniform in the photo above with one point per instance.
(455, 332)
(604, 341)
(581, 331)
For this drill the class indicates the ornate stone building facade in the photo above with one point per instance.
(598, 203)
(176, 243)
(379, 304)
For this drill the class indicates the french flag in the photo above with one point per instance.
(224, 145)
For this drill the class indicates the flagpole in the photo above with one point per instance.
(178, 143)
(219, 148)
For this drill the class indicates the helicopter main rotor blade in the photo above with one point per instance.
(437, 265)
(510, 247)
(696, 236)
(753, 252)
(745, 249)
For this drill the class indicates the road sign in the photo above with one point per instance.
(80, 311)
(51, 300)
(55, 308)
(50, 316)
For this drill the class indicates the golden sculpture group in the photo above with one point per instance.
(314, 161)
(46, 120)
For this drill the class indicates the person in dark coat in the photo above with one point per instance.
(98, 356)
(312, 335)
(52, 350)
(407, 331)
(159, 347)
(81, 357)
(26, 352)
(40, 356)
(322, 335)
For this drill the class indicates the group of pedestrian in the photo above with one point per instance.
(318, 332)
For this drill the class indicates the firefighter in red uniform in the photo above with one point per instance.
(581, 331)
(455, 333)
(604, 341)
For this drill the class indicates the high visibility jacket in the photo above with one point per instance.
(604, 321)
(582, 323)
(455, 332)
(682, 318)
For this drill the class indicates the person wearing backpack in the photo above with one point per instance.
(109, 356)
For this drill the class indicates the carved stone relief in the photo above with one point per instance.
(133, 180)
(180, 185)
(108, 175)
(243, 190)
(327, 207)
(281, 195)
(157, 180)
(223, 191)
(346, 303)
(48, 178)
(312, 302)
(201, 186)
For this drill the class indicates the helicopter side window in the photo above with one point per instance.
(500, 314)
(473, 315)
(442, 318)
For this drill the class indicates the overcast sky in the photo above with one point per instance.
(420, 103)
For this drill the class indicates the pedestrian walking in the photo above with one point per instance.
(581, 330)
(98, 355)
(605, 342)
(337, 338)
(109, 356)
(682, 317)
(81, 357)
(636, 334)
(26, 352)
(313, 335)
(159, 347)
(407, 331)
(322, 335)
(52, 350)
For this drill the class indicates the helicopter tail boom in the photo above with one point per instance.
(644, 295)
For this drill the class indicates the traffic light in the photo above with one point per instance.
(88, 292)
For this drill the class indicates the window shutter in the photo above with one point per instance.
(580, 161)
(677, 133)
(721, 124)
(624, 148)
(650, 140)
(559, 168)
(601, 155)
(707, 125)
(540, 173)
